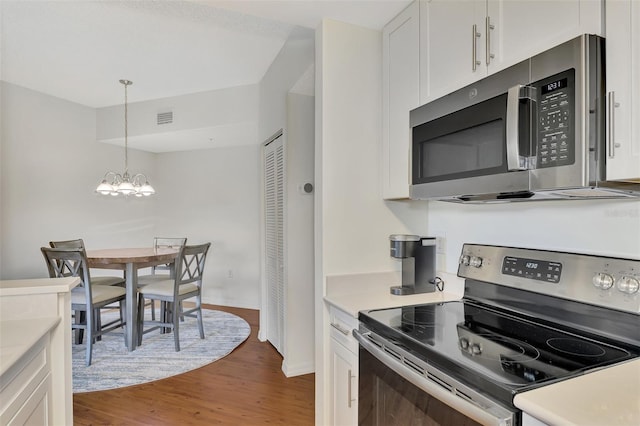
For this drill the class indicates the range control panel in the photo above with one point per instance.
(599, 280)
(533, 269)
(555, 144)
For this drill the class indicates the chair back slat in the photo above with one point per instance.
(79, 243)
(166, 243)
(68, 262)
(161, 242)
(190, 264)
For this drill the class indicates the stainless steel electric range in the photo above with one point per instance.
(528, 318)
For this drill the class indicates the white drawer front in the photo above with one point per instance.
(341, 325)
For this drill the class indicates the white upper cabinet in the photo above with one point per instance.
(401, 88)
(623, 89)
(434, 47)
(463, 41)
(448, 44)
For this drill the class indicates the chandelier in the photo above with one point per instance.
(124, 184)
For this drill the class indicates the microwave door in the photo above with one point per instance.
(476, 152)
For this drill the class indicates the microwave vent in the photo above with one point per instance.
(165, 118)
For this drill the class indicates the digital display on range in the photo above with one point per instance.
(539, 270)
(554, 85)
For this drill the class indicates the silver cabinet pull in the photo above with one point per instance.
(474, 48)
(488, 27)
(611, 100)
(340, 329)
(350, 378)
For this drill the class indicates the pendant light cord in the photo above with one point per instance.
(126, 126)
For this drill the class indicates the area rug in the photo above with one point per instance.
(113, 366)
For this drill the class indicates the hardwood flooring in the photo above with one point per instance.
(247, 387)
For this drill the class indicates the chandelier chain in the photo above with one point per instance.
(126, 126)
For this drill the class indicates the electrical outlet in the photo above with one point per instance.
(230, 273)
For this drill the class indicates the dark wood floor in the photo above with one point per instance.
(247, 387)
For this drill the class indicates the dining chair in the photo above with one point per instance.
(89, 298)
(100, 280)
(160, 243)
(186, 284)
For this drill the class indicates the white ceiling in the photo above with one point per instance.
(78, 50)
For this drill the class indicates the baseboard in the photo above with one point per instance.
(298, 369)
(230, 302)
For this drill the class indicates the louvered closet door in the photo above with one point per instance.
(274, 178)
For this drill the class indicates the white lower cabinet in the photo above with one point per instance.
(25, 388)
(343, 367)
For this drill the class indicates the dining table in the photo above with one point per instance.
(130, 260)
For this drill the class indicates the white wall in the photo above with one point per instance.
(353, 223)
(293, 114)
(50, 167)
(299, 149)
(213, 196)
(604, 227)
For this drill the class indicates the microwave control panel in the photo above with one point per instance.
(555, 145)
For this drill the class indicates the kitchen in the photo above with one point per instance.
(353, 221)
(605, 227)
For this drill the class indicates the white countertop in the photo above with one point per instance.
(357, 292)
(610, 396)
(18, 336)
(37, 286)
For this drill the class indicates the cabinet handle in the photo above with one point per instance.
(350, 378)
(611, 100)
(488, 28)
(340, 329)
(474, 47)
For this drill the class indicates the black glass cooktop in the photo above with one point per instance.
(492, 348)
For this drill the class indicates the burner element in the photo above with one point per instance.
(576, 347)
(418, 315)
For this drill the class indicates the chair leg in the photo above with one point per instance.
(199, 313)
(153, 309)
(98, 323)
(140, 318)
(164, 316)
(80, 318)
(90, 335)
(175, 314)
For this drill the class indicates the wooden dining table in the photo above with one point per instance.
(130, 260)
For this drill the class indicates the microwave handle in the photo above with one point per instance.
(512, 129)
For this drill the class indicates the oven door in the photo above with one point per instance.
(396, 388)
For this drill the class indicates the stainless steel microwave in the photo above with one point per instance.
(532, 131)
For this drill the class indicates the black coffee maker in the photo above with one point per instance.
(418, 255)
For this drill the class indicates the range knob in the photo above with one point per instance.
(464, 343)
(464, 260)
(476, 262)
(628, 285)
(476, 349)
(603, 281)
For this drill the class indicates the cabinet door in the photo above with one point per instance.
(400, 94)
(448, 44)
(344, 385)
(519, 29)
(623, 89)
(274, 201)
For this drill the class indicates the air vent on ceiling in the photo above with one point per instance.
(165, 117)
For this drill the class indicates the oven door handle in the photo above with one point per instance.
(493, 415)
